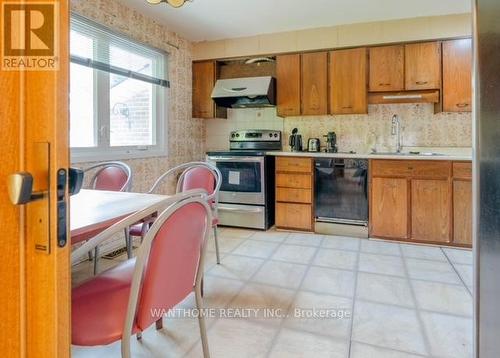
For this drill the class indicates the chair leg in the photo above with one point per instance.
(128, 242)
(90, 256)
(138, 335)
(201, 321)
(159, 324)
(217, 253)
(96, 260)
(202, 284)
(126, 346)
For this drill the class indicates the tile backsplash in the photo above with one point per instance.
(360, 133)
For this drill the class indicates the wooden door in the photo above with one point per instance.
(423, 66)
(387, 68)
(288, 85)
(457, 75)
(348, 81)
(314, 68)
(35, 271)
(430, 210)
(203, 84)
(389, 208)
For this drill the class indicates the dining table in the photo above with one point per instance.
(92, 210)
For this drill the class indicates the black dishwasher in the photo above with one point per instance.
(341, 191)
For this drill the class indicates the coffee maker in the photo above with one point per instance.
(331, 142)
(295, 141)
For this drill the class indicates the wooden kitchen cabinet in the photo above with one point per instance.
(288, 85)
(387, 68)
(430, 210)
(314, 89)
(294, 193)
(389, 208)
(423, 66)
(462, 203)
(348, 77)
(426, 201)
(457, 75)
(203, 83)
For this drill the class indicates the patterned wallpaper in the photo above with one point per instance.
(360, 133)
(181, 125)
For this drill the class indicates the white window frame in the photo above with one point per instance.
(160, 104)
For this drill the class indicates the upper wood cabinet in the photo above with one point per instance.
(203, 84)
(348, 81)
(288, 85)
(387, 68)
(314, 69)
(423, 66)
(457, 75)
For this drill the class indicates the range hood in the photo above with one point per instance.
(248, 92)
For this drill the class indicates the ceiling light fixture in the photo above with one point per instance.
(173, 3)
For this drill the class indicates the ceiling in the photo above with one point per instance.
(222, 19)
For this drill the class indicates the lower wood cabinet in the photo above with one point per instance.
(389, 209)
(294, 216)
(430, 210)
(294, 193)
(421, 201)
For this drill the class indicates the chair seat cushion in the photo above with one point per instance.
(136, 230)
(99, 306)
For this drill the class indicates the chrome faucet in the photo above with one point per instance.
(396, 130)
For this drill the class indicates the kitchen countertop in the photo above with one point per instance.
(444, 154)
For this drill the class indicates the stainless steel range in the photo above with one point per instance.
(246, 196)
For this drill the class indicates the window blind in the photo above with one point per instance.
(93, 45)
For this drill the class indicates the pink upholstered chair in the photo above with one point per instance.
(111, 176)
(194, 175)
(120, 302)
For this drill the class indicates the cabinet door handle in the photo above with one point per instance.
(422, 82)
(347, 107)
(462, 105)
(384, 84)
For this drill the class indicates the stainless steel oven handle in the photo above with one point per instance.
(238, 210)
(236, 159)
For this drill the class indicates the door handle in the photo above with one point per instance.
(20, 187)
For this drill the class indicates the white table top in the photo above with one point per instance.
(95, 209)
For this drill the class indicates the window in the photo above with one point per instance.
(117, 95)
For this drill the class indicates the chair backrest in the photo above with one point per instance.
(112, 176)
(197, 178)
(175, 258)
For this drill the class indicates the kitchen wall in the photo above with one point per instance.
(181, 126)
(420, 28)
(360, 133)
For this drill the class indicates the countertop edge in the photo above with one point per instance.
(369, 156)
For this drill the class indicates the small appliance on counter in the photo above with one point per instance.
(295, 141)
(331, 142)
(313, 145)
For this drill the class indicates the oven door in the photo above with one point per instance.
(242, 179)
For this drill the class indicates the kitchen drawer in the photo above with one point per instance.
(462, 170)
(294, 195)
(294, 216)
(411, 168)
(390, 168)
(297, 181)
(424, 168)
(294, 165)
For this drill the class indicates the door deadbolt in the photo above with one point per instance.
(21, 189)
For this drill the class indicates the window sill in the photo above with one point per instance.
(78, 156)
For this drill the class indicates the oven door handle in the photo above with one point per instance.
(245, 211)
(236, 159)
